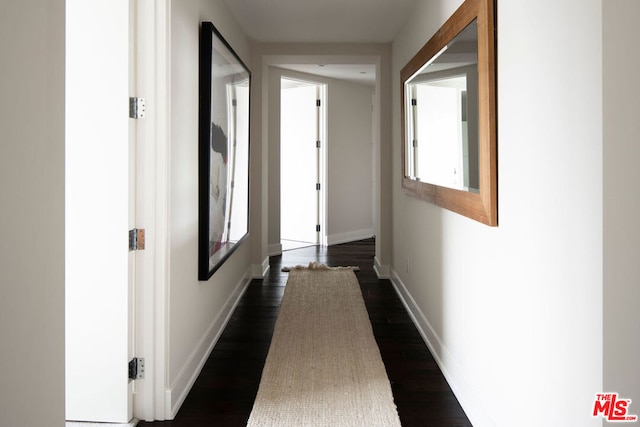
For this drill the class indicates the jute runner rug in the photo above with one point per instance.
(324, 366)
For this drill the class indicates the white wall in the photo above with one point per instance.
(350, 152)
(32, 214)
(514, 313)
(198, 310)
(349, 158)
(621, 199)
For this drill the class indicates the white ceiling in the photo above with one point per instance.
(323, 21)
(356, 73)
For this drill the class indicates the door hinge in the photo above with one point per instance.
(318, 186)
(317, 144)
(136, 108)
(318, 228)
(136, 239)
(414, 101)
(136, 368)
(317, 102)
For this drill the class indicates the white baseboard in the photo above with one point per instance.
(350, 236)
(259, 271)
(382, 271)
(275, 250)
(464, 393)
(131, 423)
(179, 390)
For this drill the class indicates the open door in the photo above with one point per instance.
(99, 212)
(302, 144)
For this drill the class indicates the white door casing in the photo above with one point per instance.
(151, 81)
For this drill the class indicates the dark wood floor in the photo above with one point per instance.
(224, 392)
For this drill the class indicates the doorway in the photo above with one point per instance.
(302, 163)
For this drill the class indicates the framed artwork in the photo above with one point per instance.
(223, 153)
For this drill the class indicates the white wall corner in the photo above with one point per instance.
(350, 236)
(468, 399)
(382, 271)
(275, 249)
(178, 391)
(260, 271)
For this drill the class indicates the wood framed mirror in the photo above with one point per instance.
(449, 147)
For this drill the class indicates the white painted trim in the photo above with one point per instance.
(179, 390)
(323, 172)
(275, 250)
(260, 271)
(167, 409)
(162, 297)
(382, 271)
(349, 236)
(468, 399)
(153, 39)
(131, 423)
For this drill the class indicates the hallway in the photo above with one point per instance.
(224, 392)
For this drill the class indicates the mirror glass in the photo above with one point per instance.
(441, 103)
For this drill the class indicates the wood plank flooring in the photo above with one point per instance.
(224, 392)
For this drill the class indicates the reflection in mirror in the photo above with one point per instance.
(442, 116)
(449, 149)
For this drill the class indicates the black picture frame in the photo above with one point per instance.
(223, 151)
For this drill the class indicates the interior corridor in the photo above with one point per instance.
(224, 392)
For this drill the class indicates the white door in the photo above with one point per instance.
(98, 212)
(300, 177)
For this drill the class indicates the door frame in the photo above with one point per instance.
(273, 61)
(152, 25)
